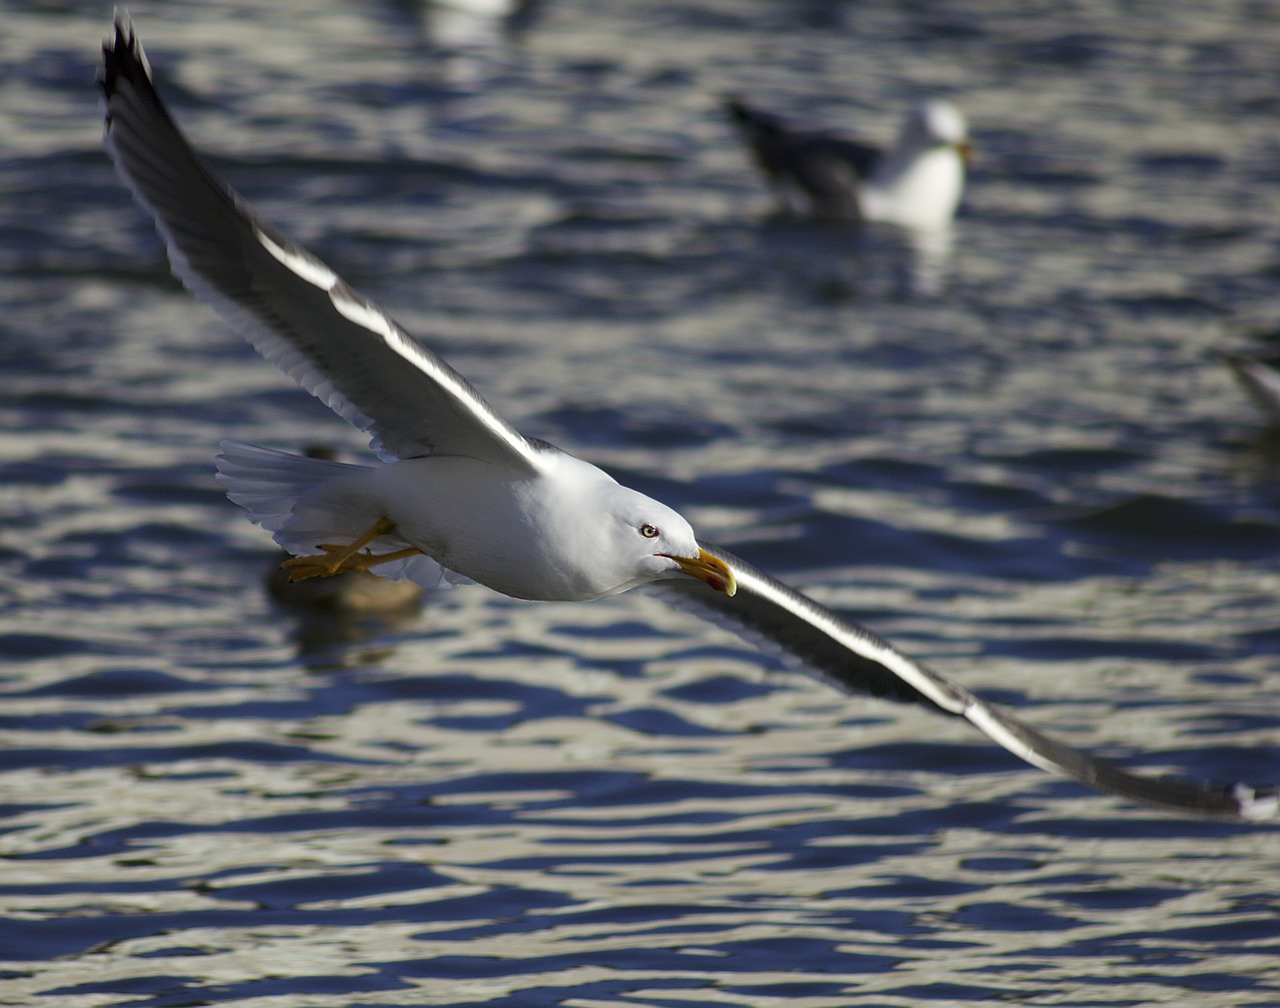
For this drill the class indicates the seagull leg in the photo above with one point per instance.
(363, 561)
(338, 558)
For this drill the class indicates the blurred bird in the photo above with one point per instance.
(467, 24)
(916, 184)
(1260, 381)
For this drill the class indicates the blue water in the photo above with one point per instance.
(1040, 479)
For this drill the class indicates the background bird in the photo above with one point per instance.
(917, 183)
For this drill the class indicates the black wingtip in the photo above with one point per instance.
(739, 111)
(122, 58)
(125, 76)
(754, 124)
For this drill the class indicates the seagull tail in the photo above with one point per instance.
(287, 494)
(269, 484)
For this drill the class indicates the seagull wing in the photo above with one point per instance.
(854, 660)
(333, 341)
(831, 170)
(779, 148)
(858, 157)
(1261, 382)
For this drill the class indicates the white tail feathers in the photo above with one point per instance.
(302, 502)
(269, 483)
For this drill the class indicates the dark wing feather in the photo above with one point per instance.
(337, 344)
(854, 660)
(828, 169)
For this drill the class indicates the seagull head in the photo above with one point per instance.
(659, 543)
(576, 533)
(938, 123)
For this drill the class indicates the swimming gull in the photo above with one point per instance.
(461, 494)
(915, 184)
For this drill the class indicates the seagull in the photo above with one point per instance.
(916, 184)
(460, 495)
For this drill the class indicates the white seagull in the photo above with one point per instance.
(915, 184)
(461, 491)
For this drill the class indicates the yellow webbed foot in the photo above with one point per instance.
(324, 564)
(339, 558)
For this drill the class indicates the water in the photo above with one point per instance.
(1043, 482)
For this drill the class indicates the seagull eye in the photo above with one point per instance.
(649, 531)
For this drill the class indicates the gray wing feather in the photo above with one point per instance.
(854, 660)
(333, 341)
(829, 169)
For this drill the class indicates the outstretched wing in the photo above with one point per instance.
(854, 660)
(333, 341)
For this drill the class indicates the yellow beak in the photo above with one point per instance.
(708, 568)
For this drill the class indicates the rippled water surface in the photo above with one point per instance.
(1043, 481)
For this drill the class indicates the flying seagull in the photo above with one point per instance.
(915, 184)
(461, 494)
